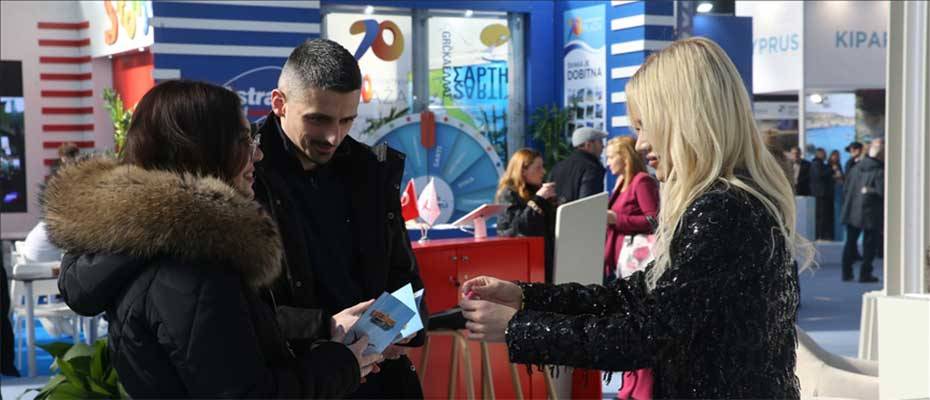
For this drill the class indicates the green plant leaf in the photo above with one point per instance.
(112, 378)
(56, 349)
(99, 361)
(78, 350)
(68, 391)
(122, 391)
(109, 393)
(75, 374)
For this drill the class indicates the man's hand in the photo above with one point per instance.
(366, 364)
(394, 352)
(340, 323)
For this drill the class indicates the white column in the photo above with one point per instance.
(904, 309)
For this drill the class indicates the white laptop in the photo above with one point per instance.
(580, 232)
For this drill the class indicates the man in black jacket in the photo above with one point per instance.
(863, 211)
(337, 205)
(581, 174)
(821, 179)
(802, 168)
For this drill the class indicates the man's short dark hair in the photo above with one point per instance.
(854, 146)
(320, 64)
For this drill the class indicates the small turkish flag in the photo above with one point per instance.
(408, 202)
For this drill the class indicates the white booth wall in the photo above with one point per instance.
(20, 36)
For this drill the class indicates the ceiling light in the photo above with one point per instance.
(705, 7)
(469, 13)
(816, 98)
(369, 10)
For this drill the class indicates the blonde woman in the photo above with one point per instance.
(530, 211)
(714, 315)
(634, 203)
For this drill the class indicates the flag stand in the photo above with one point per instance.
(424, 233)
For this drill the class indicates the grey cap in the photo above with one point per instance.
(582, 135)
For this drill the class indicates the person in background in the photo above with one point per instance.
(863, 211)
(633, 209)
(530, 202)
(836, 168)
(581, 174)
(715, 315)
(855, 155)
(821, 181)
(67, 154)
(786, 165)
(337, 204)
(801, 169)
(170, 245)
(634, 202)
(38, 248)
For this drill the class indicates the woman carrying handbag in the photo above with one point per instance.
(631, 213)
(631, 218)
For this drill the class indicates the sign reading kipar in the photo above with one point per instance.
(842, 44)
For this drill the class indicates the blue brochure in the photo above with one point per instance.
(392, 317)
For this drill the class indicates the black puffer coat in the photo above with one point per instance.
(578, 176)
(719, 324)
(177, 263)
(864, 195)
(533, 217)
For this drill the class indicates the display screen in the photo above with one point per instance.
(12, 139)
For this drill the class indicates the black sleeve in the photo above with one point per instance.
(214, 346)
(76, 268)
(624, 329)
(524, 218)
(592, 182)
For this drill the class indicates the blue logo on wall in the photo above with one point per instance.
(777, 44)
(254, 88)
(861, 39)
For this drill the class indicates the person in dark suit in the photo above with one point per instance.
(802, 167)
(821, 181)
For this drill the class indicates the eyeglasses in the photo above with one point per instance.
(254, 142)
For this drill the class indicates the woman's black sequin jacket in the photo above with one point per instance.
(719, 324)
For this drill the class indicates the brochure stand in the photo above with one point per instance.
(478, 217)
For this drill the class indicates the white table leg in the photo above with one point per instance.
(30, 328)
(90, 332)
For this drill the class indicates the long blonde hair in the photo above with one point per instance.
(692, 103)
(513, 177)
(625, 147)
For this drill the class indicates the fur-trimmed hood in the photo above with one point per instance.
(101, 206)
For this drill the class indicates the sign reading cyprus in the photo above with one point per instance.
(392, 318)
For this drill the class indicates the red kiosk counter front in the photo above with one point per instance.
(444, 265)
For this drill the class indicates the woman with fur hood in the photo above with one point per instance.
(169, 244)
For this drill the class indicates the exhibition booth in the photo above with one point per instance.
(458, 87)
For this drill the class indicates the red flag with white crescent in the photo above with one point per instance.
(408, 202)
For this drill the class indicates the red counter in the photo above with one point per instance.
(444, 265)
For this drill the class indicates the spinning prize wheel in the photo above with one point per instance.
(461, 161)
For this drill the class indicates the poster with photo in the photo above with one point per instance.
(584, 59)
(12, 139)
(381, 44)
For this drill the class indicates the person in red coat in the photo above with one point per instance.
(634, 202)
